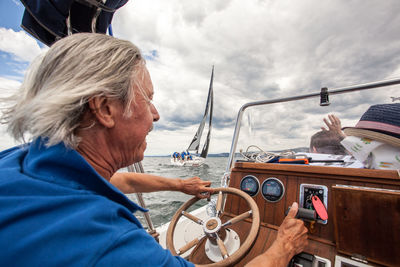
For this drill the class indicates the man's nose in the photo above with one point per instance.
(156, 116)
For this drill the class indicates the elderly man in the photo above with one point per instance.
(87, 107)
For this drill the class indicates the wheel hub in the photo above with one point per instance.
(212, 226)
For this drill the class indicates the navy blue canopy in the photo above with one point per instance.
(46, 20)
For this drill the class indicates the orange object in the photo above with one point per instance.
(294, 161)
(319, 208)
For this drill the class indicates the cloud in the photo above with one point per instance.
(8, 84)
(23, 47)
(261, 50)
(8, 87)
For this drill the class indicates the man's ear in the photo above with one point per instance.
(104, 110)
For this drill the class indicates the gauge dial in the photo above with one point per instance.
(272, 189)
(250, 185)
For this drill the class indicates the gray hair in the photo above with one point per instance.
(55, 92)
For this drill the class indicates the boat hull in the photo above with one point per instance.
(194, 162)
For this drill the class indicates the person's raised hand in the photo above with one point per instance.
(334, 125)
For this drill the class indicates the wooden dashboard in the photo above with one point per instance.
(363, 211)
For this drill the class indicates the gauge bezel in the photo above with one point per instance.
(254, 178)
(279, 182)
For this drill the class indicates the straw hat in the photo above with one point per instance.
(380, 123)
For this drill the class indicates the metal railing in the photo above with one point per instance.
(138, 168)
(341, 90)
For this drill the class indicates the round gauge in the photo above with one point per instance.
(250, 185)
(272, 189)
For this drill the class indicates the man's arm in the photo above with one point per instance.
(129, 182)
(291, 240)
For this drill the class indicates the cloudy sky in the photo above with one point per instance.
(260, 49)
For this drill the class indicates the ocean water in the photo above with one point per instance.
(163, 205)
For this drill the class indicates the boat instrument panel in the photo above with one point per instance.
(272, 189)
(362, 209)
(250, 185)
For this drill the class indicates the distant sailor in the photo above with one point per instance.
(176, 156)
(183, 154)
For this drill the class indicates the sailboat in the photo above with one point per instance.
(191, 156)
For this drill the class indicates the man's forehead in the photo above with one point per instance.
(143, 82)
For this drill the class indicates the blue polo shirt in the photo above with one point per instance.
(56, 210)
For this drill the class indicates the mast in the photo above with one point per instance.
(194, 145)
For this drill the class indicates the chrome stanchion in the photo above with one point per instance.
(138, 168)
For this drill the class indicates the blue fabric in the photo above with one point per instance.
(55, 210)
(46, 20)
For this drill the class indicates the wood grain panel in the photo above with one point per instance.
(368, 223)
(232, 202)
(336, 171)
(292, 190)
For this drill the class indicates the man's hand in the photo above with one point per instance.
(197, 187)
(334, 125)
(291, 240)
(292, 233)
(155, 235)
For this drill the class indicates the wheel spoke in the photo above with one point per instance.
(238, 218)
(192, 217)
(219, 203)
(189, 245)
(222, 248)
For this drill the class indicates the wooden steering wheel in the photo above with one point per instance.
(213, 227)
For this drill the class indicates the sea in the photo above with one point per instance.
(163, 205)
